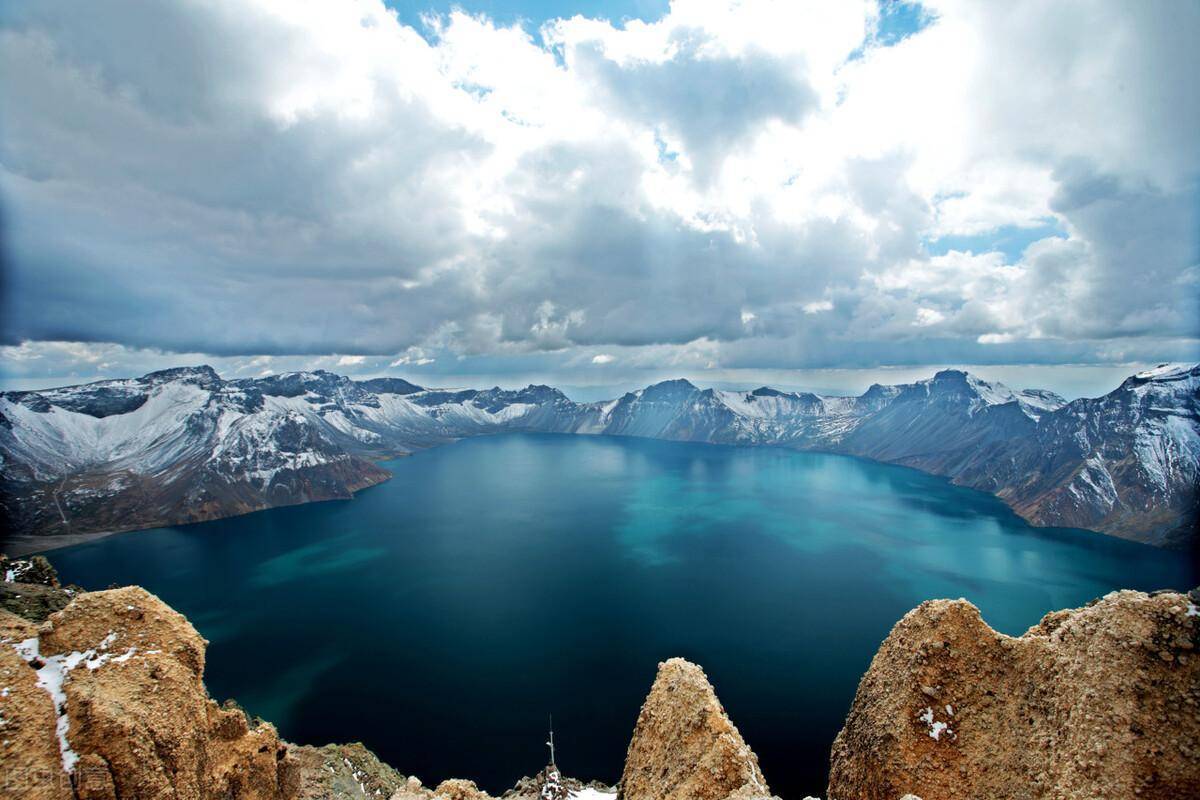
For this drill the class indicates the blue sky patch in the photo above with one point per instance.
(899, 19)
(1008, 239)
(533, 12)
(665, 154)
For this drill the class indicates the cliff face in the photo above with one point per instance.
(1101, 701)
(106, 699)
(103, 699)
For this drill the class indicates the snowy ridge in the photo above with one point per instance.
(1165, 372)
(183, 444)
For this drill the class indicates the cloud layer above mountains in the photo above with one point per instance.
(736, 185)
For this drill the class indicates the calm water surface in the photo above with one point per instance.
(441, 616)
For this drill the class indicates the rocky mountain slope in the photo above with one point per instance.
(183, 445)
(176, 446)
(104, 699)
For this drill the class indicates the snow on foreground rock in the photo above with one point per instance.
(107, 696)
(1096, 702)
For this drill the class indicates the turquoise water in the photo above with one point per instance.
(441, 616)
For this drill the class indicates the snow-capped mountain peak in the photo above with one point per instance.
(1166, 372)
(183, 444)
(977, 394)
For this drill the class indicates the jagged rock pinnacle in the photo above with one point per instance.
(684, 746)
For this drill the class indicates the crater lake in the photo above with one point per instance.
(442, 616)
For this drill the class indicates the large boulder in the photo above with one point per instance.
(458, 789)
(114, 682)
(1096, 702)
(684, 747)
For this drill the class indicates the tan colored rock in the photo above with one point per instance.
(137, 721)
(684, 747)
(93, 779)
(30, 765)
(412, 790)
(1096, 702)
(456, 789)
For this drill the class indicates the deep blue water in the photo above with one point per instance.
(441, 616)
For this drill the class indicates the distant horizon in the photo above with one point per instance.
(1102, 378)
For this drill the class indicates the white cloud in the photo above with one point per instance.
(414, 356)
(603, 358)
(733, 183)
(927, 317)
(995, 338)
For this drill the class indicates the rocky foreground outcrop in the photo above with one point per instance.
(685, 748)
(108, 692)
(1095, 702)
(102, 698)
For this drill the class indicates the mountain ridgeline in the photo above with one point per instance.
(184, 445)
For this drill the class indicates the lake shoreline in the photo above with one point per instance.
(33, 544)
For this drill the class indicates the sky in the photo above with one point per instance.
(600, 194)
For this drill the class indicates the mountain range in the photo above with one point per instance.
(183, 445)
